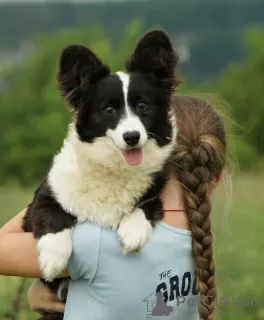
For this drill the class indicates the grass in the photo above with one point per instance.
(239, 242)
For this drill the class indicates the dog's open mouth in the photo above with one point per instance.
(133, 157)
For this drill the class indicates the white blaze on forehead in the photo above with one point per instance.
(129, 121)
(125, 79)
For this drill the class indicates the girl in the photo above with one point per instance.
(175, 272)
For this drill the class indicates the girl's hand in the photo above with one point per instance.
(41, 299)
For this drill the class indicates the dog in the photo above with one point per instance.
(110, 167)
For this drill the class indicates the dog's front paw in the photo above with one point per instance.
(134, 231)
(54, 252)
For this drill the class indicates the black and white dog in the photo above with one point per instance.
(110, 167)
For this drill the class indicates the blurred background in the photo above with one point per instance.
(221, 48)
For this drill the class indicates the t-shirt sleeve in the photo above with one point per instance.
(85, 251)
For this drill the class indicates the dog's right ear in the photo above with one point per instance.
(154, 55)
(79, 69)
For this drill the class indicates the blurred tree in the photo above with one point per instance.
(242, 86)
(33, 120)
(211, 29)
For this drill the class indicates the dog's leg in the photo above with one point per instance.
(135, 229)
(52, 228)
(151, 202)
(54, 252)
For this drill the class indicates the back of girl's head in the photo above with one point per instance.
(198, 158)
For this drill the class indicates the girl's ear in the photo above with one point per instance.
(154, 55)
(216, 181)
(221, 176)
(79, 69)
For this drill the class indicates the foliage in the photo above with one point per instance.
(210, 30)
(33, 119)
(242, 87)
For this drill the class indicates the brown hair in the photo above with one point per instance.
(198, 158)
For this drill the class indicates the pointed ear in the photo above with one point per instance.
(79, 68)
(154, 55)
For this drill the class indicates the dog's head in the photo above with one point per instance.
(126, 109)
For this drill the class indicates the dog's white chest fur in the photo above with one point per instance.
(101, 191)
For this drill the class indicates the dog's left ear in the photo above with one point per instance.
(79, 69)
(154, 56)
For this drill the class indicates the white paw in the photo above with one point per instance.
(62, 291)
(134, 231)
(54, 252)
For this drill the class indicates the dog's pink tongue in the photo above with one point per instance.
(133, 157)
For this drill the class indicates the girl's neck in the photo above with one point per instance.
(172, 200)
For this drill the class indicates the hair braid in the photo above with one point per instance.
(197, 159)
(194, 181)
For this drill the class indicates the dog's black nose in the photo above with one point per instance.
(131, 137)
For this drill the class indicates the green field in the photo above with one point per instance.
(239, 242)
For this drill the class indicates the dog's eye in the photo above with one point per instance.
(142, 107)
(110, 110)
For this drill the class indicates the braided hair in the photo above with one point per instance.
(198, 158)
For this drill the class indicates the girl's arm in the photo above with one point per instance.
(14, 225)
(18, 255)
(18, 251)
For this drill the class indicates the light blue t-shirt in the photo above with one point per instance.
(158, 282)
